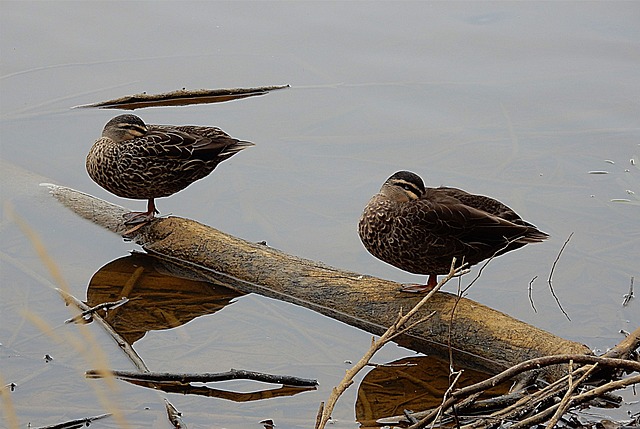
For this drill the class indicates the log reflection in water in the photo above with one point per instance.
(413, 383)
(159, 299)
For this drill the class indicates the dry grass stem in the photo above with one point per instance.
(38, 246)
(92, 352)
(10, 416)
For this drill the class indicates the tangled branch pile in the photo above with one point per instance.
(590, 381)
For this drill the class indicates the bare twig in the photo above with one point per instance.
(447, 393)
(106, 306)
(553, 267)
(523, 367)
(233, 374)
(398, 327)
(484, 265)
(545, 361)
(531, 294)
(392, 365)
(625, 347)
(76, 423)
(576, 400)
(628, 296)
(459, 295)
(566, 400)
(605, 388)
(124, 346)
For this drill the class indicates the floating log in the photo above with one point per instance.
(480, 337)
(182, 97)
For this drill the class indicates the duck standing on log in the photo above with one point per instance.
(421, 230)
(144, 162)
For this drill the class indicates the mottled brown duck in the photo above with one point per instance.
(144, 162)
(420, 230)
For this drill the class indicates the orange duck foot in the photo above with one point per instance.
(135, 218)
(418, 288)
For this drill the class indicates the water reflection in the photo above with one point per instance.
(415, 383)
(190, 389)
(161, 296)
(517, 99)
(164, 296)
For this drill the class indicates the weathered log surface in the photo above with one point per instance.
(481, 337)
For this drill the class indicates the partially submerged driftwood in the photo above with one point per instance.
(182, 97)
(480, 337)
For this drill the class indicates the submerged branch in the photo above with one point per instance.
(233, 374)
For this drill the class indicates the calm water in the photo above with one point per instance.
(516, 100)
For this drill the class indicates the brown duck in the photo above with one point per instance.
(420, 229)
(145, 162)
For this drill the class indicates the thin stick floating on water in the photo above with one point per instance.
(553, 267)
(233, 374)
(104, 306)
(76, 423)
(628, 296)
(124, 346)
(531, 293)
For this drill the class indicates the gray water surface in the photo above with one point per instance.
(519, 101)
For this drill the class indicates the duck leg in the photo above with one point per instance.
(417, 288)
(142, 217)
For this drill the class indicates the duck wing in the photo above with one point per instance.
(458, 229)
(480, 202)
(491, 206)
(192, 143)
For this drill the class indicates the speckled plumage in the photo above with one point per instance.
(144, 162)
(420, 229)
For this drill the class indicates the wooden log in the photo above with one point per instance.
(481, 338)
